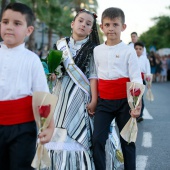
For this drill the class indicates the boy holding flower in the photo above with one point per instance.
(144, 66)
(21, 74)
(116, 64)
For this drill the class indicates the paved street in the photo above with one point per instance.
(153, 141)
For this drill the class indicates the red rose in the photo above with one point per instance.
(135, 92)
(44, 110)
(148, 79)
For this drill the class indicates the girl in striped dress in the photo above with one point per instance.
(75, 104)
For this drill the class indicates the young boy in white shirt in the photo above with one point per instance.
(116, 64)
(21, 74)
(144, 67)
(134, 38)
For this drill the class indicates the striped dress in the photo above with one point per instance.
(71, 115)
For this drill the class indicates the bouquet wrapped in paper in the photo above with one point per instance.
(148, 79)
(134, 95)
(43, 109)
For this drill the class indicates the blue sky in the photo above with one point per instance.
(138, 13)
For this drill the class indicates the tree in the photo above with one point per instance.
(159, 34)
(49, 13)
(64, 24)
(46, 12)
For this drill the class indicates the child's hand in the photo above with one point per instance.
(91, 108)
(52, 77)
(45, 135)
(148, 86)
(136, 112)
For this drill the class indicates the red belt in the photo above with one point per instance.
(142, 75)
(113, 89)
(16, 111)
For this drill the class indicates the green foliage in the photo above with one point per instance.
(54, 59)
(49, 13)
(63, 27)
(159, 34)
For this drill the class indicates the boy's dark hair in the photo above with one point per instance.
(24, 10)
(134, 33)
(139, 44)
(112, 13)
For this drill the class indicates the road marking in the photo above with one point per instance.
(147, 140)
(146, 114)
(141, 162)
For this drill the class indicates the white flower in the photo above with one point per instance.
(58, 71)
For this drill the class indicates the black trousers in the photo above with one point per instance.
(17, 146)
(106, 111)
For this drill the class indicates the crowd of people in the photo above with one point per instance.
(159, 64)
(92, 89)
(160, 67)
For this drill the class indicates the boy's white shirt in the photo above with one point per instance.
(118, 61)
(144, 64)
(21, 73)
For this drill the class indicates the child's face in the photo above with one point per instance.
(139, 50)
(14, 28)
(82, 26)
(112, 29)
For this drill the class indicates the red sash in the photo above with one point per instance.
(16, 111)
(113, 89)
(142, 75)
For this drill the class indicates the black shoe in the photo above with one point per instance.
(139, 119)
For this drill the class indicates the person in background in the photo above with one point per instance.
(116, 64)
(152, 61)
(40, 53)
(168, 68)
(164, 69)
(144, 68)
(158, 67)
(21, 74)
(134, 38)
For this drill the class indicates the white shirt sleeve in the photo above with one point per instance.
(134, 68)
(148, 67)
(39, 80)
